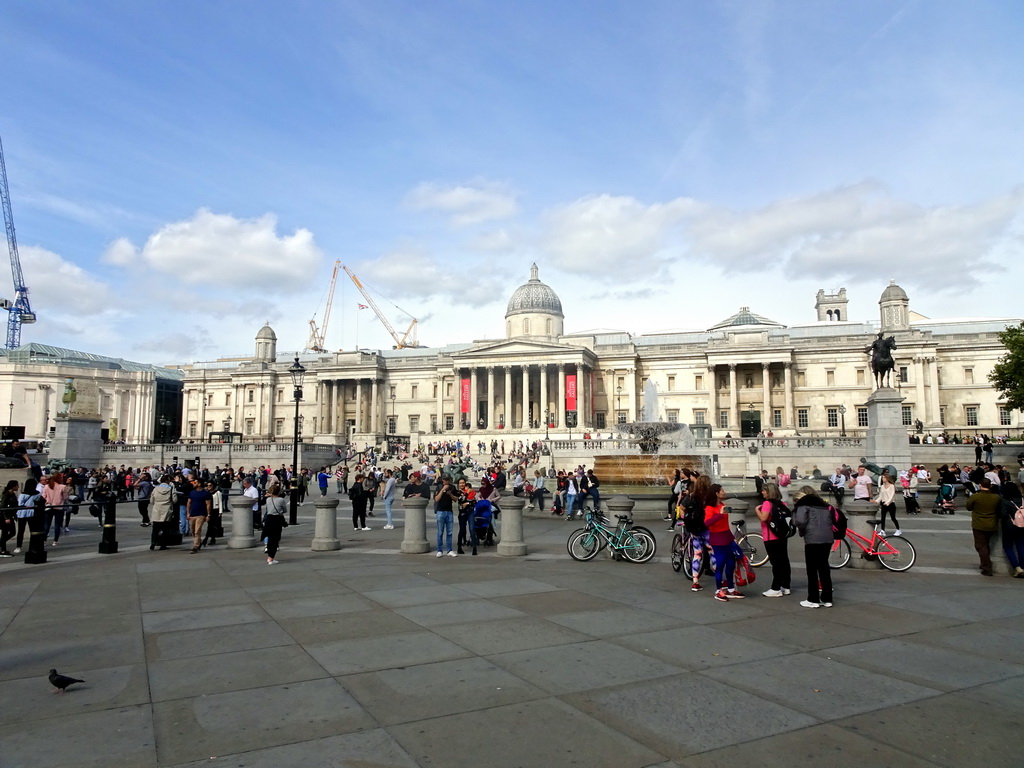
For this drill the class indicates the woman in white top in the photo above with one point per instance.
(886, 504)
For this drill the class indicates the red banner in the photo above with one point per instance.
(570, 392)
(464, 392)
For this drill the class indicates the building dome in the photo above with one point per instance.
(893, 292)
(534, 297)
(744, 317)
(266, 332)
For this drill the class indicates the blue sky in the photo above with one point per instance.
(182, 172)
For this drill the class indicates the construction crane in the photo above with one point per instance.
(19, 309)
(408, 339)
(316, 335)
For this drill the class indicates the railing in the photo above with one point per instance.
(186, 449)
(598, 447)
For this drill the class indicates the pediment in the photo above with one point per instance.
(517, 348)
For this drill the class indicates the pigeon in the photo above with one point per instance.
(60, 682)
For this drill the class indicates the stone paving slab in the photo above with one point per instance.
(345, 657)
(504, 635)
(33, 698)
(700, 647)
(30, 654)
(186, 643)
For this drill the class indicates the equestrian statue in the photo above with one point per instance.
(882, 363)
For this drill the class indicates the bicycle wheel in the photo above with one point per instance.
(583, 544)
(839, 555)
(688, 557)
(638, 547)
(677, 553)
(644, 530)
(752, 545)
(899, 555)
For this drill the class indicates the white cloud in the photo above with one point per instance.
(412, 277)
(467, 204)
(619, 234)
(222, 250)
(59, 288)
(120, 253)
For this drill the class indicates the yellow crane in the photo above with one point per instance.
(316, 335)
(408, 339)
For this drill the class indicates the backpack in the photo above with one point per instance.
(1018, 516)
(693, 517)
(783, 480)
(839, 522)
(780, 522)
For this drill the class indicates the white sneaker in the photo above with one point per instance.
(451, 554)
(786, 591)
(809, 604)
(367, 528)
(883, 534)
(897, 532)
(389, 527)
(17, 550)
(826, 605)
(773, 593)
(440, 553)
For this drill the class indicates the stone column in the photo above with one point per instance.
(920, 409)
(325, 530)
(414, 542)
(766, 389)
(933, 395)
(545, 406)
(374, 408)
(561, 396)
(474, 408)
(619, 505)
(790, 416)
(525, 418)
(734, 400)
(440, 402)
(511, 543)
(508, 397)
(241, 523)
(359, 406)
(44, 411)
(490, 397)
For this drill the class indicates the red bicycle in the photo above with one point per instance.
(893, 552)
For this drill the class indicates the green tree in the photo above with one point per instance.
(1008, 374)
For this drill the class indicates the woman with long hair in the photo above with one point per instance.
(777, 549)
(54, 496)
(886, 502)
(722, 542)
(273, 521)
(1013, 537)
(814, 521)
(359, 497)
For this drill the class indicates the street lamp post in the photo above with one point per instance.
(750, 410)
(547, 424)
(297, 372)
(393, 426)
(842, 421)
(618, 405)
(10, 416)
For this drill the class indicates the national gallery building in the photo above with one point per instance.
(743, 375)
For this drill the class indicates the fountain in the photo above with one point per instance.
(651, 450)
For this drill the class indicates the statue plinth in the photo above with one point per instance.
(887, 441)
(77, 439)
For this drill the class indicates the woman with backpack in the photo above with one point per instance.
(782, 479)
(1010, 514)
(775, 543)
(813, 519)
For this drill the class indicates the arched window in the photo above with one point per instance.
(837, 316)
(829, 313)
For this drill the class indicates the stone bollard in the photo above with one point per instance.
(414, 542)
(619, 505)
(857, 515)
(241, 524)
(511, 543)
(108, 540)
(325, 532)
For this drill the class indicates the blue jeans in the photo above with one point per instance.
(387, 510)
(183, 519)
(596, 496)
(725, 565)
(444, 525)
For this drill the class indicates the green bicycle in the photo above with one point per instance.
(632, 543)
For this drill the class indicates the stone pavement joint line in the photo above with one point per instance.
(365, 657)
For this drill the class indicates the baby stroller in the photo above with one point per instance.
(483, 523)
(944, 500)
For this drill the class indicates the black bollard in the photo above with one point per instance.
(36, 552)
(108, 544)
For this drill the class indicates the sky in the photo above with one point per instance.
(181, 173)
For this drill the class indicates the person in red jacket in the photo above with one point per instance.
(721, 540)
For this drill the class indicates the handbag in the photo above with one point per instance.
(1018, 517)
(744, 573)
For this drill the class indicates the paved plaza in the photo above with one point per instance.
(367, 657)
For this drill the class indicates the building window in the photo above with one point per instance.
(414, 423)
(908, 416)
(802, 421)
(801, 378)
(723, 419)
(777, 418)
(904, 374)
(971, 412)
(433, 424)
(601, 420)
(968, 375)
(415, 391)
(449, 421)
(392, 425)
(209, 400)
(776, 381)
(393, 392)
(832, 417)
(191, 429)
(621, 382)
(860, 377)
(938, 376)
(278, 427)
(435, 392)
(252, 395)
(1004, 416)
(227, 398)
(698, 382)
(621, 418)
(448, 389)
(830, 378)
(700, 417)
(526, 326)
(673, 417)
(942, 415)
(671, 383)
(280, 395)
(862, 416)
(250, 425)
(549, 327)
